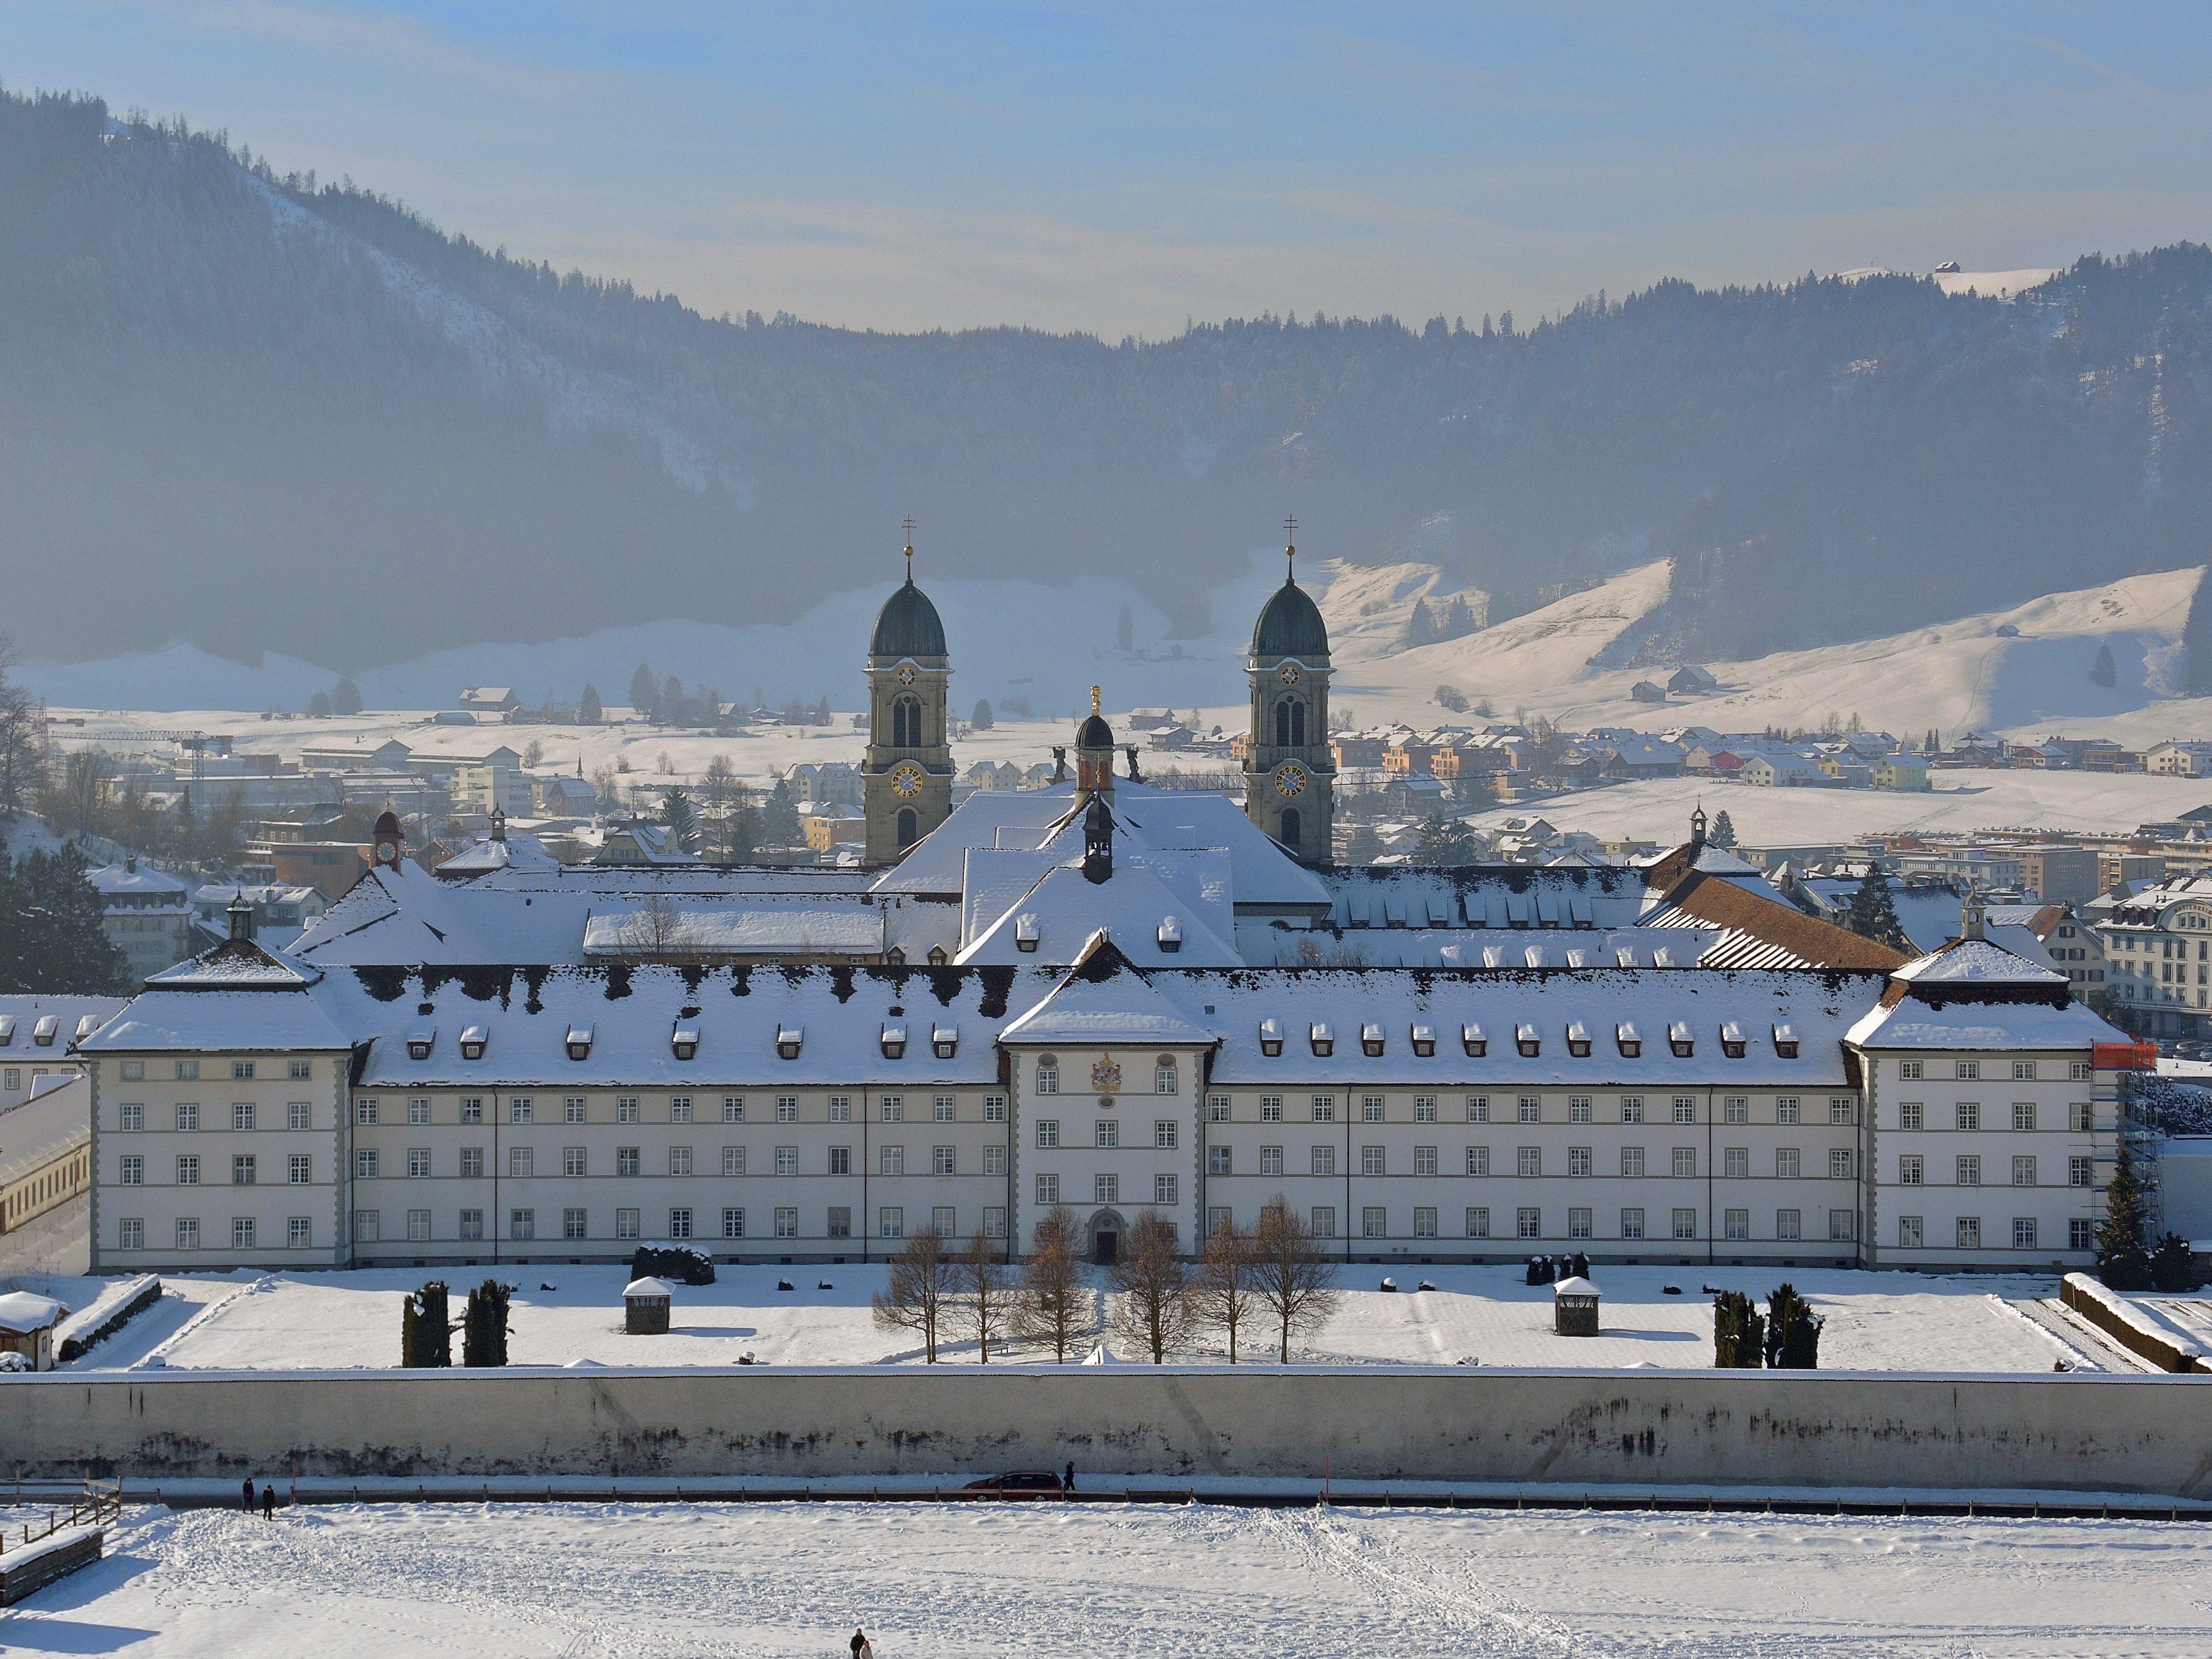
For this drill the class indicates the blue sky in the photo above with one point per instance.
(1119, 168)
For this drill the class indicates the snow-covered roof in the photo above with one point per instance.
(516, 849)
(1978, 961)
(646, 1286)
(201, 1021)
(110, 880)
(36, 1131)
(792, 927)
(1915, 1025)
(1104, 999)
(1574, 1285)
(237, 964)
(22, 1312)
(1066, 909)
(1263, 945)
(20, 1015)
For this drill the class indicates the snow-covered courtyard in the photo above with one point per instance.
(1488, 1315)
(1096, 1579)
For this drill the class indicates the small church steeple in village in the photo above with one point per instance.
(906, 776)
(1290, 765)
(1094, 752)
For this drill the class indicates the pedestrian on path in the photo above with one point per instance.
(1068, 1482)
(862, 1648)
(249, 1494)
(269, 1503)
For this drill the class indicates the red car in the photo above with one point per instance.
(1022, 1483)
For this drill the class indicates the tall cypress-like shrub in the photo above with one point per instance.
(483, 1325)
(1739, 1332)
(426, 1335)
(2122, 1261)
(1793, 1332)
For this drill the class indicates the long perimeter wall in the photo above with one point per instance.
(2084, 1433)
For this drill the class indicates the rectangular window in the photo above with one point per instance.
(1912, 1114)
(298, 1116)
(1735, 1163)
(733, 1110)
(1370, 1160)
(994, 1161)
(1970, 1071)
(1786, 1163)
(367, 1225)
(1578, 1224)
(1840, 1163)
(891, 1222)
(1685, 1108)
(1425, 1221)
(1323, 1221)
(941, 1161)
(1970, 1232)
(1270, 1160)
(1478, 1221)
(188, 1170)
(1217, 1160)
(890, 1160)
(1631, 1223)
(1910, 1232)
(2082, 1117)
(299, 1231)
(1736, 1108)
(519, 1163)
(679, 1224)
(1048, 1190)
(2023, 1170)
(188, 1071)
(1842, 1109)
(1736, 1225)
(1374, 1222)
(1164, 1188)
(575, 1224)
(573, 1161)
(1324, 1109)
(2023, 1071)
(1271, 1108)
(1578, 1160)
(787, 1107)
(1911, 1171)
(1908, 1071)
(2079, 1071)
(994, 1221)
(2023, 1116)
(787, 1160)
(1424, 1108)
(1477, 1109)
(1632, 1109)
(572, 1111)
(1163, 1134)
(1048, 1133)
(679, 1160)
(472, 1163)
(840, 1110)
(628, 1161)
(679, 1109)
(1371, 1108)
(626, 1109)
(472, 1225)
(1324, 1160)
(2078, 1172)
(994, 1109)
(733, 1161)
(188, 1233)
(786, 1223)
(1686, 1162)
(133, 1171)
(472, 1109)
(1047, 1078)
(1786, 1109)
(133, 1117)
(1970, 1115)
(134, 1071)
(521, 1109)
(364, 1111)
(1578, 1108)
(522, 1225)
(1789, 1224)
(733, 1223)
(2080, 1234)
(242, 1115)
(1216, 1109)
(1631, 1162)
(1424, 1160)
(1685, 1223)
(364, 1163)
(1106, 1189)
(944, 1109)
(241, 1071)
(1528, 1223)
(1530, 1108)
(1843, 1226)
(891, 1109)
(1968, 1170)
(418, 1162)
(1106, 1133)
(626, 1223)
(1529, 1161)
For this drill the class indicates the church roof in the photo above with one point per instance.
(907, 625)
(1290, 625)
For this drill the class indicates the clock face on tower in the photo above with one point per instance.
(1288, 673)
(1290, 778)
(906, 780)
(906, 674)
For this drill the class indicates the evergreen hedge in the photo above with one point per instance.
(483, 1325)
(426, 1335)
(680, 1262)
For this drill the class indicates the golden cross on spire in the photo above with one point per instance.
(1094, 699)
(906, 525)
(1291, 548)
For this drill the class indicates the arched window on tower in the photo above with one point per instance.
(1290, 723)
(906, 723)
(1290, 836)
(909, 827)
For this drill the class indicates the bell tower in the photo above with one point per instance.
(1289, 768)
(906, 776)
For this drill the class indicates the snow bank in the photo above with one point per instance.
(2136, 1324)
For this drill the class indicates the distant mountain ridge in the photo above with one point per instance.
(256, 415)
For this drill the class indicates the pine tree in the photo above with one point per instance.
(1420, 627)
(1459, 619)
(1793, 1332)
(2122, 1261)
(2171, 1269)
(681, 818)
(982, 719)
(588, 711)
(318, 706)
(644, 690)
(779, 816)
(1739, 1332)
(2104, 672)
(1872, 915)
(52, 938)
(345, 698)
(1723, 833)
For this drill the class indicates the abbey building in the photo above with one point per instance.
(1104, 995)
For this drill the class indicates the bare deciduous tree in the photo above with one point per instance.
(1294, 1282)
(1222, 1291)
(1050, 1303)
(923, 1284)
(986, 1301)
(1153, 1285)
(657, 932)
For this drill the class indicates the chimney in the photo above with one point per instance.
(241, 916)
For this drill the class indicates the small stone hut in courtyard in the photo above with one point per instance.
(646, 1303)
(1574, 1308)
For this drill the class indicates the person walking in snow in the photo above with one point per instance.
(249, 1494)
(862, 1648)
(269, 1503)
(1068, 1482)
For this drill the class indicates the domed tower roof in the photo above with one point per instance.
(1094, 733)
(1290, 623)
(907, 625)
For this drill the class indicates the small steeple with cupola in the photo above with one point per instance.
(906, 776)
(1289, 768)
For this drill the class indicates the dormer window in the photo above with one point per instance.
(1271, 1037)
(1370, 1040)
(937, 957)
(1732, 1043)
(421, 1041)
(6, 1030)
(1026, 932)
(580, 1042)
(473, 1039)
(1474, 1041)
(788, 1039)
(1630, 1039)
(1425, 1040)
(1323, 1038)
(1526, 1039)
(1680, 1040)
(1579, 1039)
(85, 1025)
(1169, 935)
(895, 956)
(894, 1040)
(685, 1041)
(945, 1041)
(48, 1028)
(1785, 1041)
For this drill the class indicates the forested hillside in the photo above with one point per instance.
(255, 411)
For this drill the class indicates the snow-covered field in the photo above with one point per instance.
(670, 1579)
(1876, 1321)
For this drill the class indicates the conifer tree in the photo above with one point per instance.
(345, 698)
(1459, 619)
(318, 706)
(1872, 915)
(681, 819)
(2171, 1269)
(779, 816)
(2122, 1261)
(1420, 627)
(1793, 1332)
(51, 936)
(1723, 833)
(2104, 672)
(483, 1325)
(644, 690)
(426, 1333)
(1739, 1332)
(588, 710)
